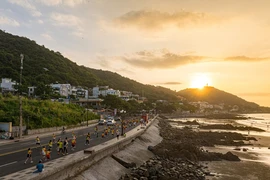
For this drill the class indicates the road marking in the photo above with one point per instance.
(9, 164)
(33, 147)
(28, 143)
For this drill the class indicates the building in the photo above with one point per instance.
(79, 92)
(104, 91)
(7, 85)
(95, 103)
(31, 91)
(62, 89)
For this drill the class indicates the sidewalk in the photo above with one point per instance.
(33, 136)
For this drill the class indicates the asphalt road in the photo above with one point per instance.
(13, 155)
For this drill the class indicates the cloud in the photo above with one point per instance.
(68, 20)
(154, 20)
(171, 83)
(47, 36)
(25, 4)
(8, 21)
(247, 59)
(70, 3)
(40, 21)
(162, 59)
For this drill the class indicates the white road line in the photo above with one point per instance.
(8, 164)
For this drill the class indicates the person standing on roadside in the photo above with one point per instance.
(29, 156)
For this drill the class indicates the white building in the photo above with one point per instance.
(62, 89)
(7, 85)
(110, 91)
(31, 91)
(104, 91)
(79, 92)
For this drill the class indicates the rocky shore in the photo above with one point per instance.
(179, 154)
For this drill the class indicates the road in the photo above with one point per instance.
(13, 155)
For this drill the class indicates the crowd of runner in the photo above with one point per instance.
(63, 144)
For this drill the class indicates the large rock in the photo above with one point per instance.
(231, 157)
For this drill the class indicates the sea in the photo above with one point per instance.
(260, 150)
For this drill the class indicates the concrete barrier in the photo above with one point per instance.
(52, 129)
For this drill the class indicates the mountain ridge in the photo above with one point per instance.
(62, 70)
(216, 96)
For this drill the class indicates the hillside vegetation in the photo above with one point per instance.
(62, 70)
(215, 96)
(40, 114)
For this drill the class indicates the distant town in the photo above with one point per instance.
(83, 96)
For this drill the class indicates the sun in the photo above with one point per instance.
(199, 81)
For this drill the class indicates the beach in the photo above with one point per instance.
(255, 162)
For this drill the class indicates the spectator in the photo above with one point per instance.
(40, 166)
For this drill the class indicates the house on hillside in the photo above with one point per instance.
(104, 91)
(62, 89)
(31, 91)
(79, 92)
(7, 85)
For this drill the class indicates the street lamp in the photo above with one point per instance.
(20, 96)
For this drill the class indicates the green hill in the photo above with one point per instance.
(63, 70)
(215, 96)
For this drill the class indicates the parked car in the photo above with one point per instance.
(117, 118)
(101, 122)
(111, 122)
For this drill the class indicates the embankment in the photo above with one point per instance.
(136, 152)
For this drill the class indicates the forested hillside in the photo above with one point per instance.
(62, 70)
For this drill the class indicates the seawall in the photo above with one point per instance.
(136, 152)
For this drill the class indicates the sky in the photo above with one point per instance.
(177, 44)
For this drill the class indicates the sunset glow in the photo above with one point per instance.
(174, 44)
(199, 81)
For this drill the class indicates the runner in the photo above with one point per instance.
(112, 132)
(60, 147)
(50, 145)
(43, 153)
(66, 146)
(73, 144)
(38, 141)
(48, 154)
(54, 137)
(87, 139)
(117, 134)
(103, 135)
(29, 156)
(96, 130)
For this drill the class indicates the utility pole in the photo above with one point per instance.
(20, 96)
